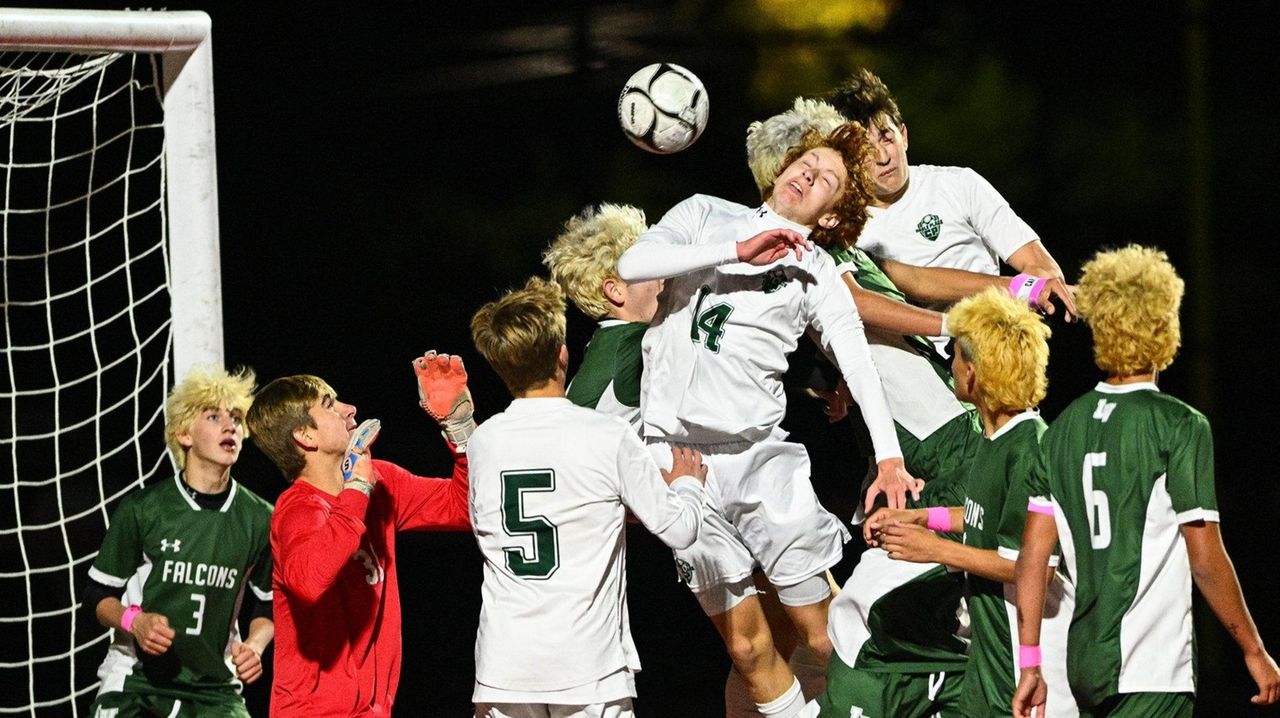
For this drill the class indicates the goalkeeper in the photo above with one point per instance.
(333, 536)
(175, 561)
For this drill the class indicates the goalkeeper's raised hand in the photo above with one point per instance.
(357, 467)
(443, 393)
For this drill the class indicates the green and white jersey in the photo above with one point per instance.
(995, 511)
(609, 378)
(917, 380)
(1124, 468)
(192, 566)
(898, 617)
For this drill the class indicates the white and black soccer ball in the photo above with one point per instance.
(663, 108)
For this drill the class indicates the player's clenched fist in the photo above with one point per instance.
(443, 393)
(247, 661)
(152, 632)
(685, 462)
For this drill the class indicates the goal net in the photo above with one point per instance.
(110, 288)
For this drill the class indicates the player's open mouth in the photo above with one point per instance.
(229, 444)
(796, 186)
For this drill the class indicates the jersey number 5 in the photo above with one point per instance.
(545, 556)
(1096, 504)
(709, 322)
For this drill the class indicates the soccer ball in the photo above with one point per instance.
(663, 108)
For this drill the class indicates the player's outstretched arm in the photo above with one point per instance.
(891, 315)
(150, 630)
(945, 285)
(443, 393)
(1031, 576)
(668, 503)
(1215, 576)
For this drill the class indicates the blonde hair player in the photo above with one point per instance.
(1128, 474)
(1000, 364)
(175, 562)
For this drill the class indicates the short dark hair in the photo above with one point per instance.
(865, 98)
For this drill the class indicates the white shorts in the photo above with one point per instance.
(612, 709)
(766, 514)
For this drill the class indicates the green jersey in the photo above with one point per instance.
(1124, 467)
(192, 566)
(609, 378)
(995, 511)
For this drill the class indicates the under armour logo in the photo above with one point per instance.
(166, 544)
(761, 212)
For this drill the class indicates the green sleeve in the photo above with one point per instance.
(1013, 515)
(628, 368)
(121, 552)
(1190, 470)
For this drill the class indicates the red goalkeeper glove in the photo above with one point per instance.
(443, 393)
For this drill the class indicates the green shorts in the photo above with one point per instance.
(1144, 705)
(889, 695)
(118, 704)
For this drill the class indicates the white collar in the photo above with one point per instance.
(1106, 388)
(1014, 421)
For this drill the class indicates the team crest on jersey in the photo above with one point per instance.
(773, 280)
(929, 226)
(685, 569)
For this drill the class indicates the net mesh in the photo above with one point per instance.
(86, 349)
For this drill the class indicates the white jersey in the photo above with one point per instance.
(948, 217)
(550, 486)
(715, 352)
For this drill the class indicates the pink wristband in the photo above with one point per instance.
(126, 618)
(1033, 507)
(1028, 656)
(938, 519)
(1027, 288)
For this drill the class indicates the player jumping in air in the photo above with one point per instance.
(551, 485)
(1127, 488)
(742, 285)
(175, 563)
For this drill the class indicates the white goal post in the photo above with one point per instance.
(110, 289)
(185, 46)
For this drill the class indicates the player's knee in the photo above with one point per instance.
(820, 643)
(749, 650)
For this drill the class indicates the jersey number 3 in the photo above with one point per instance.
(544, 558)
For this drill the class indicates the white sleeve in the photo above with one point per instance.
(670, 247)
(839, 326)
(1001, 230)
(672, 513)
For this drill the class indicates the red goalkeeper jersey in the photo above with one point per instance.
(337, 606)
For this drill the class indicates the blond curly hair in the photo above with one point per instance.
(1130, 298)
(1008, 345)
(520, 334)
(586, 253)
(768, 141)
(204, 387)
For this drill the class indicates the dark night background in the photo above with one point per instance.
(383, 170)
